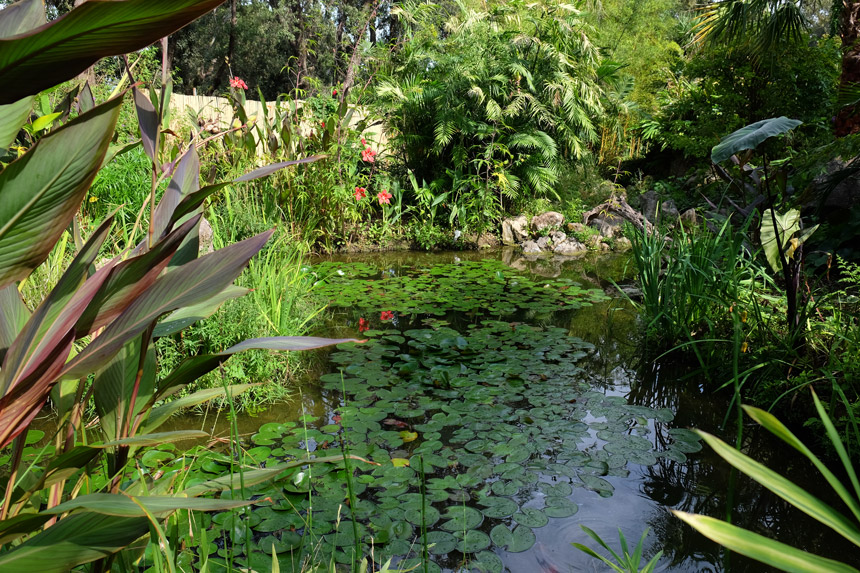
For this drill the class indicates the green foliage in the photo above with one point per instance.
(500, 101)
(624, 563)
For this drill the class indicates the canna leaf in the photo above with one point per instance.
(21, 17)
(132, 506)
(62, 49)
(41, 191)
(179, 319)
(751, 136)
(13, 116)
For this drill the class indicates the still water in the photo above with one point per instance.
(610, 376)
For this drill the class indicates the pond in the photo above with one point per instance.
(498, 403)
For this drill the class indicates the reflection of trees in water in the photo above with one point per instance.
(701, 484)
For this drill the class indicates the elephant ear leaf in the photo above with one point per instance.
(60, 50)
(41, 191)
(751, 136)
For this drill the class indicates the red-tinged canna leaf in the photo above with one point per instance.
(192, 201)
(129, 279)
(189, 284)
(185, 180)
(22, 401)
(41, 191)
(195, 366)
(155, 439)
(147, 118)
(76, 539)
(62, 49)
(51, 321)
(13, 316)
(129, 375)
(184, 317)
(21, 17)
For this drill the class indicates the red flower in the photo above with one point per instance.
(360, 193)
(383, 197)
(238, 83)
(363, 141)
(333, 93)
(367, 155)
(386, 315)
(322, 123)
(362, 325)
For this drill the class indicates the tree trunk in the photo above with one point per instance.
(848, 119)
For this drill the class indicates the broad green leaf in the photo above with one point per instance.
(13, 116)
(21, 17)
(189, 284)
(73, 540)
(784, 488)
(41, 191)
(155, 439)
(751, 136)
(20, 525)
(62, 49)
(185, 181)
(775, 239)
(184, 317)
(760, 548)
(131, 506)
(131, 373)
(522, 539)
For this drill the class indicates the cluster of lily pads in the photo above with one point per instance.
(471, 438)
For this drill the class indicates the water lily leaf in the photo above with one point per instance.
(560, 507)
(498, 507)
(531, 517)
(505, 488)
(461, 517)
(400, 462)
(488, 562)
(600, 485)
(472, 542)
(522, 539)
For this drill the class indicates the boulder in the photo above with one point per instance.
(689, 218)
(520, 228)
(569, 247)
(669, 212)
(576, 227)
(543, 242)
(623, 244)
(608, 225)
(530, 247)
(548, 220)
(648, 205)
(557, 237)
(507, 233)
(488, 241)
(593, 241)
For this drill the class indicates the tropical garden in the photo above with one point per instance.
(413, 286)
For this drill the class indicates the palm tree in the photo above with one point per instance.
(762, 25)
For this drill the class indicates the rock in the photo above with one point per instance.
(543, 242)
(604, 246)
(629, 291)
(608, 225)
(488, 241)
(669, 212)
(557, 237)
(206, 236)
(507, 233)
(520, 228)
(648, 205)
(569, 247)
(576, 227)
(623, 244)
(689, 218)
(548, 220)
(530, 247)
(593, 241)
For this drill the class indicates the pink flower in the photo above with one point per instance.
(362, 325)
(367, 155)
(360, 193)
(383, 197)
(238, 83)
(386, 315)
(363, 141)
